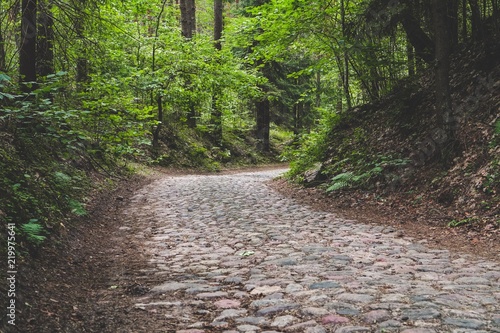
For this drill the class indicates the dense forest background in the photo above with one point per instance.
(378, 95)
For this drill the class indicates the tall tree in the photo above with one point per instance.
(2, 50)
(476, 21)
(345, 61)
(27, 53)
(263, 115)
(188, 18)
(218, 23)
(216, 111)
(45, 47)
(82, 61)
(188, 27)
(443, 46)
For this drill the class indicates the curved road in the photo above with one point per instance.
(227, 254)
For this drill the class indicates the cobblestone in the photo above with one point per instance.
(230, 255)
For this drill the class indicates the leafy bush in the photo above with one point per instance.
(47, 147)
(309, 149)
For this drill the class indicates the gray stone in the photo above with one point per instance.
(473, 324)
(230, 313)
(347, 311)
(376, 316)
(169, 286)
(272, 310)
(324, 285)
(261, 303)
(216, 294)
(248, 328)
(257, 321)
(420, 314)
(390, 323)
(313, 311)
(202, 289)
(293, 288)
(315, 329)
(233, 280)
(283, 321)
(355, 298)
(352, 329)
(301, 327)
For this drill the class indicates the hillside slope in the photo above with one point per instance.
(387, 154)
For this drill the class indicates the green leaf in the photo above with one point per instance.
(77, 208)
(33, 231)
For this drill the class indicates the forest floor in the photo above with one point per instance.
(58, 291)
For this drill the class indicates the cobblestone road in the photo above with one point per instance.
(233, 256)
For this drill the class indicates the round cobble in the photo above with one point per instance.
(234, 256)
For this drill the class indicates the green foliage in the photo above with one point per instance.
(33, 232)
(309, 149)
(463, 222)
(366, 169)
(348, 179)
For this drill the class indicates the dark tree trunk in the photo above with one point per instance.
(424, 47)
(345, 71)
(82, 66)
(298, 117)
(476, 21)
(188, 27)
(443, 50)
(216, 116)
(45, 36)
(218, 23)
(27, 54)
(188, 18)
(156, 132)
(263, 122)
(452, 13)
(2, 51)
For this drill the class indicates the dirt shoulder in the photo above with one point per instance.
(423, 222)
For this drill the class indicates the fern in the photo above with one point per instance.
(33, 231)
(77, 208)
(341, 181)
(348, 179)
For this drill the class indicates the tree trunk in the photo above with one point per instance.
(188, 18)
(424, 47)
(45, 39)
(188, 27)
(452, 12)
(27, 53)
(2, 51)
(82, 68)
(476, 21)
(218, 23)
(216, 116)
(263, 121)
(156, 132)
(345, 78)
(443, 49)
